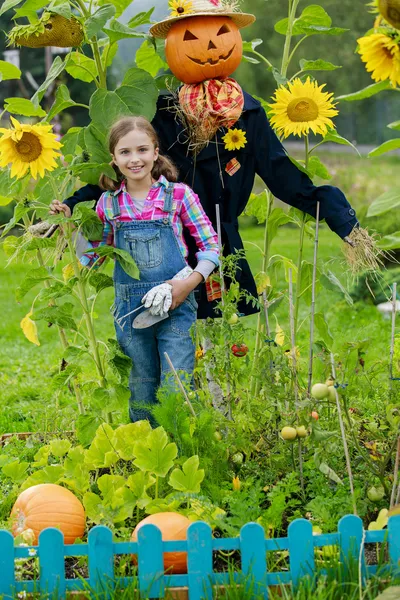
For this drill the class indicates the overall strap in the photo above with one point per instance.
(168, 198)
(115, 206)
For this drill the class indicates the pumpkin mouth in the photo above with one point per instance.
(210, 61)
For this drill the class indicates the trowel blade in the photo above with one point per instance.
(146, 319)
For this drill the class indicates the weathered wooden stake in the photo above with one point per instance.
(395, 474)
(394, 309)
(343, 433)
(314, 279)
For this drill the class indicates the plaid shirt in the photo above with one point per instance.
(187, 212)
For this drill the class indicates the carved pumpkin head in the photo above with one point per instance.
(203, 47)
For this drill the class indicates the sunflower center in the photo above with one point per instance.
(180, 10)
(302, 109)
(29, 147)
(235, 138)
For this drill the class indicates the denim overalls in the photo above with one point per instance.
(155, 249)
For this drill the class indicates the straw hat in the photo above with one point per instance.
(181, 9)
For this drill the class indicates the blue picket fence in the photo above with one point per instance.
(200, 545)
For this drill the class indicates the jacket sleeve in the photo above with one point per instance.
(294, 187)
(89, 192)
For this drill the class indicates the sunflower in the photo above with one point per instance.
(28, 147)
(381, 55)
(235, 139)
(302, 107)
(180, 7)
(390, 10)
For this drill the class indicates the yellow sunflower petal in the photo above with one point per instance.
(302, 107)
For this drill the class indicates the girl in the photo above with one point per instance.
(144, 213)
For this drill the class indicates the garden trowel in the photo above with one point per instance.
(147, 319)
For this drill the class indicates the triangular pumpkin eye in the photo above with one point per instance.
(224, 29)
(189, 36)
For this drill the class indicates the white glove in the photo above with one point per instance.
(159, 299)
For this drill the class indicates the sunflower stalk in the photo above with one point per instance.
(254, 381)
(61, 332)
(288, 39)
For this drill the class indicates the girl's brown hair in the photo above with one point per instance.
(162, 166)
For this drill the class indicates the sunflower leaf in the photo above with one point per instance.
(317, 65)
(387, 146)
(118, 31)
(96, 22)
(24, 107)
(142, 18)
(8, 71)
(367, 92)
(390, 200)
(147, 59)
(62, 101)
(56, 68)
(81, 67)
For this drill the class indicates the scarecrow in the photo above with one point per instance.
(220, 138)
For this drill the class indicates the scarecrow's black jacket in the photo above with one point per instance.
(263, 154)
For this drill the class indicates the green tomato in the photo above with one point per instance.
(301, 431)
(319, 391)
(375, 494)
(217, 436)
(289, 433)
(233, 319)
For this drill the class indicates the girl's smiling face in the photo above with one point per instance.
(135, 155)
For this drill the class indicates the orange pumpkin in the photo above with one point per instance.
(49, 505)
(203, 47)
(173, 526)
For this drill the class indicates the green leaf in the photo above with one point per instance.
(257, 206)
(98, 19)
(59, 447)
(329, 472)
(139, 483)
(155, 454)
(61, 7)
(100, 281)
(19, 211)
(7, 4)
(118, 31)
(306, 281)
(15, 470)
(387, 146)
(8, 71)
(62, 101)
(317, 65)
(395, 125)
(5, 201)
(41, 457)
(313, 20)
(88, 220)
(29, 7)
(390, 200)
(77, 474)
(367, 92)
(94, 508)
(127, 435)
(323, 329)
(109, 51)
(33, 277)
(50, 474)
(390, 242)
(250, 59)
(250, 46)
(333, 136)
(102, 449)
(188, 479)
(332, 283)
(120, 364)
(81, 67)
(86, 427)
(56, 290)
(142, 18)
(120, 5)
(56, 68)
(23, 106)
(108, 484)
(124, 258)
(57, 315)
(91, 172)
(70, 140)
(141, 81)
(106, 107)
(96, 144)
(316, 168)
(147, 59)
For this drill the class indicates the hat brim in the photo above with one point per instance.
(161, 29)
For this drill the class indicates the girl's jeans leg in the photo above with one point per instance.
(144, 378)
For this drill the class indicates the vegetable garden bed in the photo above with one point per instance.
(301, 545)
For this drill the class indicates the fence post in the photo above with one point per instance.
(7, 577)
(394, 540)
(51, 560)
(200, 561)
(253, 554)
(101, 560)
(351, 541)
(301, 550)
(150, 561)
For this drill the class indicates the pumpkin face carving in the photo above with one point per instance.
(203, 47)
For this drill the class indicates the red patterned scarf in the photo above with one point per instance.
(209, 105)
